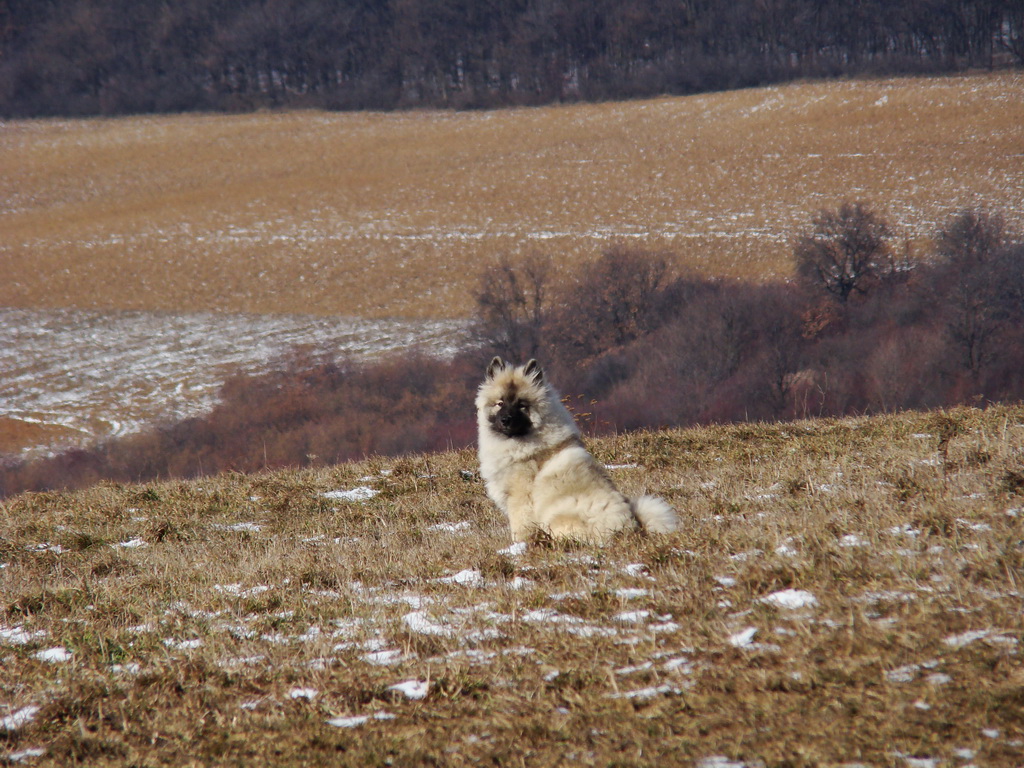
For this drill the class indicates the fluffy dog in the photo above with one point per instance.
(537, 471)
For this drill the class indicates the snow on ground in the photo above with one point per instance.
(102, 374)
(18, 719)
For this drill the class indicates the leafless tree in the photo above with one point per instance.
(969, 282)
(972, 238)
(845, 251)
(511, 305)
(615, 300)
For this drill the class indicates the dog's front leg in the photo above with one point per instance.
(521, 519)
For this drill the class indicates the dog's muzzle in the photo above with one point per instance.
(511, 421)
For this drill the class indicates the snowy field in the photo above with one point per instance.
(86, 375)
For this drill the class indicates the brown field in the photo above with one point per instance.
(128, 638)
(391, 214)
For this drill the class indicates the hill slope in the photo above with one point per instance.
(382, 215)
(840, 591)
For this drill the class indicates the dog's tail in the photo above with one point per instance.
(654, 514)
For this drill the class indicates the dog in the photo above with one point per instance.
(536, 470)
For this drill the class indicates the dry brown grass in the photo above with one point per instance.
(905, 529)
(15, 434)
(392, 214)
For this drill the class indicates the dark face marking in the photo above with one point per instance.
(511, 417)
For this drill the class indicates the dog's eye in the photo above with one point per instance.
(499, 403)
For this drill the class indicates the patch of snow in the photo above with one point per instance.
(1001, 640)
(242, 660)
(647, 693)
(460, 527)
(637, 570)
(412, 689)
(631, 593)
(634, 669)
(135, 543)
(311, 634)
(721, 761)
(183, 645)
(19, 719)
(237, 590)
(422, 623)
(665, 626)
(514, 550)
(26, 754)
(466, 578)
(853, 540)
(786, 550)
(679, 664)
(359, 493)
(57, 655)
(632, 617)
(238, 527)
(904, 674)
(46, 546)
(574, 625)
(791, 599)
(965, 638)
(383, 658)
(303, 693)
(19, 635)
(974, 526)
(744, 638)
(742, 557)
(356, 720)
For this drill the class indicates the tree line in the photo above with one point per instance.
(87, 57)
(865, 326)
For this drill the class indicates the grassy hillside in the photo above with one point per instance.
(392, 214)
(840, 592)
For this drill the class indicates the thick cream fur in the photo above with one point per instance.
(546, 481)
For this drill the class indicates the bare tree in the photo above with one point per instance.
(971, 238)
(845, 251)
(970, 283)
(511, 304)
(617, 299)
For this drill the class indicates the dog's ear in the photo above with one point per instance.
(496, 365)
(532, 369)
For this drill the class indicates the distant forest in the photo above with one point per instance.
(106, 57)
